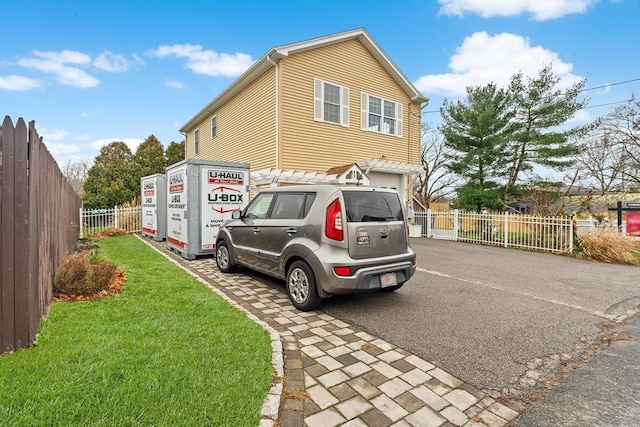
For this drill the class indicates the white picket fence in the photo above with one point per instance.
(552, 234)
(95, 221)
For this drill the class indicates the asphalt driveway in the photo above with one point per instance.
(488, 315)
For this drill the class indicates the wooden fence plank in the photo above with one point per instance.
(21, 199)
(7, 333)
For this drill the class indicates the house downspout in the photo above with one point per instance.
(185, 144)
(277, 118)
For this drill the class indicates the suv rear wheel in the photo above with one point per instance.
(224, 259)
(301, 286)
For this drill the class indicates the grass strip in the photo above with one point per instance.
(166, 351)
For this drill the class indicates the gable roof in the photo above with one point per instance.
(276, 53)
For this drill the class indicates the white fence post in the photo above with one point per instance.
(571, 236)
(115, 213)
(506, 229)
(429, 231)
(81, 223)
(456, 224)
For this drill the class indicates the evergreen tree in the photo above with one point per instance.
(111, 180)
(175, 152)
(149, 158)
(538, 138)
(476, 131)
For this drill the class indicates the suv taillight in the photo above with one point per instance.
(333, 225)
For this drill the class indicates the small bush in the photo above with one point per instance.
(104, 274)
(109, 232)
(96, 256)
(609, 246)
(85, 273)
(74, 275)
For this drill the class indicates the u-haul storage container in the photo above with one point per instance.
(201, 195)
(153, 190)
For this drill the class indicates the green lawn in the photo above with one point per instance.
(166, 351)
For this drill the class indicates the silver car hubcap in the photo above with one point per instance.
(298, 285)
(222, 254)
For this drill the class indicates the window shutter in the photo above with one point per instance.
(344, 108)
(317, 100)
(364, 109)
(399, 120)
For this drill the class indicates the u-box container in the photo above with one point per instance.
(154, 206)
(201, 195)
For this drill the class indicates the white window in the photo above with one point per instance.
(196, 141)
(381, 115)
(331, 103)
(214, 126)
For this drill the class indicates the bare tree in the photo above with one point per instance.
(76, 173)
(602, 161)
(436, 181)
(622, 127)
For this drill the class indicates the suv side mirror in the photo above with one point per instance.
(236, 214)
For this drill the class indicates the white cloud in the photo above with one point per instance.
(541, 10)
(111, 62)
(206, 62)
(581, 116)
(176, 85)
(64, 57)
(53, 134)
(18, 83)
(76, 77)
(55, 63)
(484, 59)
(132, 143)
(68, 66)
(61, 151)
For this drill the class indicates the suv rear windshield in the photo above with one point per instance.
(371, 206)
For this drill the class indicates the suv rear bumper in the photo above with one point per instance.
(365, 276)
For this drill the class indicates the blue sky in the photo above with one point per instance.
(91, 72)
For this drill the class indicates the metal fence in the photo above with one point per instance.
(95, 221)
(552, 234)
(38, 228)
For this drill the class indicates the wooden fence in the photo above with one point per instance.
(39, 227)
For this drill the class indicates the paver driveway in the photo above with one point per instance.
(488, 314)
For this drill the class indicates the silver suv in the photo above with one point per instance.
(322, 240)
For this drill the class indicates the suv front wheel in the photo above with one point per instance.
(224, 259)
(301, 286)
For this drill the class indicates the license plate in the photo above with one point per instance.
(388, 279)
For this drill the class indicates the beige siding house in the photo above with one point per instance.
(309, 108)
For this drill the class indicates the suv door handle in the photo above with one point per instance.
(256, 230)
(291, 231)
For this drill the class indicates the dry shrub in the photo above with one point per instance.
(110, 232)
(74, 275)
(85, 273)
(610, 246)
(103, 274)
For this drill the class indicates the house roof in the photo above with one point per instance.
(339, 170)
(276, 53)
